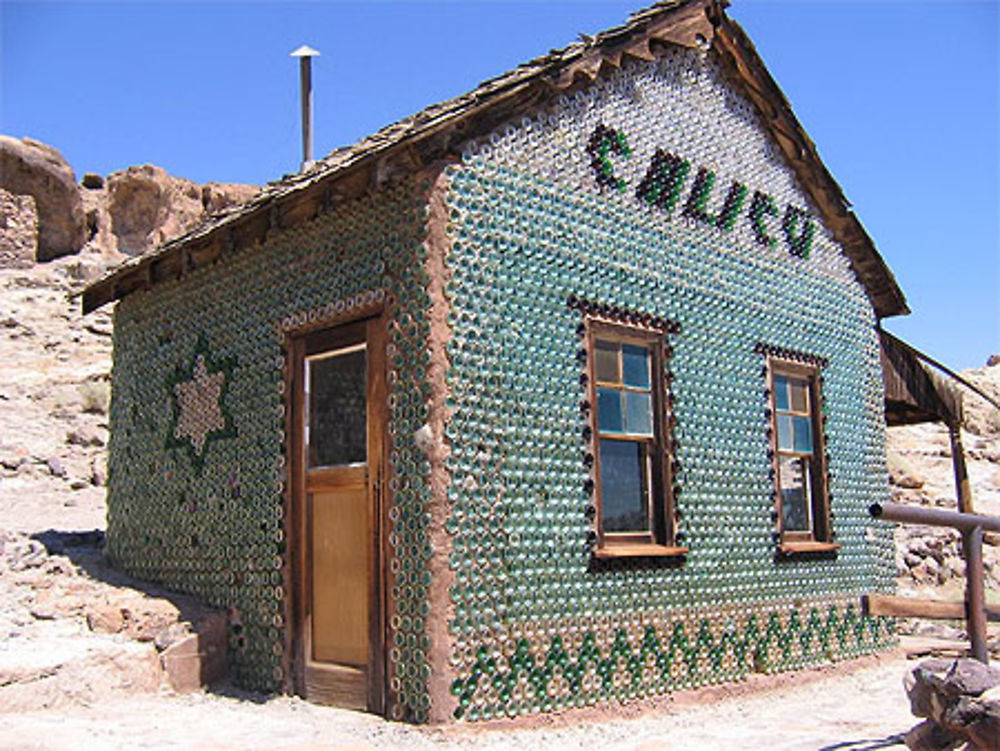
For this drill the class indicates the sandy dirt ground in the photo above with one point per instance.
(852, 706)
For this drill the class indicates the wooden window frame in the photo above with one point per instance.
(820, 537)
(660, 540)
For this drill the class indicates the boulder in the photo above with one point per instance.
(29, 167)
(18, 230)
(148, 206)
(992, 361)
(218, 196)
(956, 697)
(84, 435)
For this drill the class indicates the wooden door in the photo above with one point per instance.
(339, 397)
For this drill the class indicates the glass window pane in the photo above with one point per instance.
(780, 392)
(635, 366)
(338, 431)
(606, 361)
(784, 433)
(803, 435)
(799, 389)
(609, 410)
(638, 413)
(795, 494)
(624, 487)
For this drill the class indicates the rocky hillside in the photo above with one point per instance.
(929, 561)
(46, 214)
(72, 630)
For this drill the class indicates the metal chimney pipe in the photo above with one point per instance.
(305, 54)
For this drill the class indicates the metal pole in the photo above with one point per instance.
(305, 55)
(305, 79)
(971, 526)
(975, 598)
(897, 512)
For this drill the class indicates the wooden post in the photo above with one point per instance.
(975, 597)
(962, 486)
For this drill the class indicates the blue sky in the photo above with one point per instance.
(900, 98)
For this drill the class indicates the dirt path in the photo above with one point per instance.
(849, 707)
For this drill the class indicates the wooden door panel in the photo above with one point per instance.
(341, 572)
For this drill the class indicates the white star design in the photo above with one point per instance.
(198, 406)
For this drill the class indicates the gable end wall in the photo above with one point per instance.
(536, 627)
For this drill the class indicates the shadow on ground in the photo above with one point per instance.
(869, 744)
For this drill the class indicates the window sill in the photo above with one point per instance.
(791, 547)
(640, 551)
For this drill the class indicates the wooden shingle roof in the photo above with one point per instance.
(439, 131)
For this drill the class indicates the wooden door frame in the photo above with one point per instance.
(298, 345)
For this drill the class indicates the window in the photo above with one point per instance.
(632, 480)
(801, 497)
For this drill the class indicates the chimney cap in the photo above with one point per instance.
(305, 51)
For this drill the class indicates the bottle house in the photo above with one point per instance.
(561, 392)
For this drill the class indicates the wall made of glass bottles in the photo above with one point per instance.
(197, 452)
(553, 206)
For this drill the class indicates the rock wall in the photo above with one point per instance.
(18, 230)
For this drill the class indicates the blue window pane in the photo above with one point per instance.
(635, 366)
(803, 435)
(638, 413)
(609, 410)
(784, 432)
(624, 491)
(780, 392)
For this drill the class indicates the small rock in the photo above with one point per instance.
(25, 554)
(926, 570)
(55, 466)
(78, 484)
(84, 435)
(955, 567)
(171, 634)
(105, 618)
(902, 473)
(992, 361)
(45, 606)
(92, 181)
(11, 462)
(98, 472)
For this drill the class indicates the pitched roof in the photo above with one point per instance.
(439, 131)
